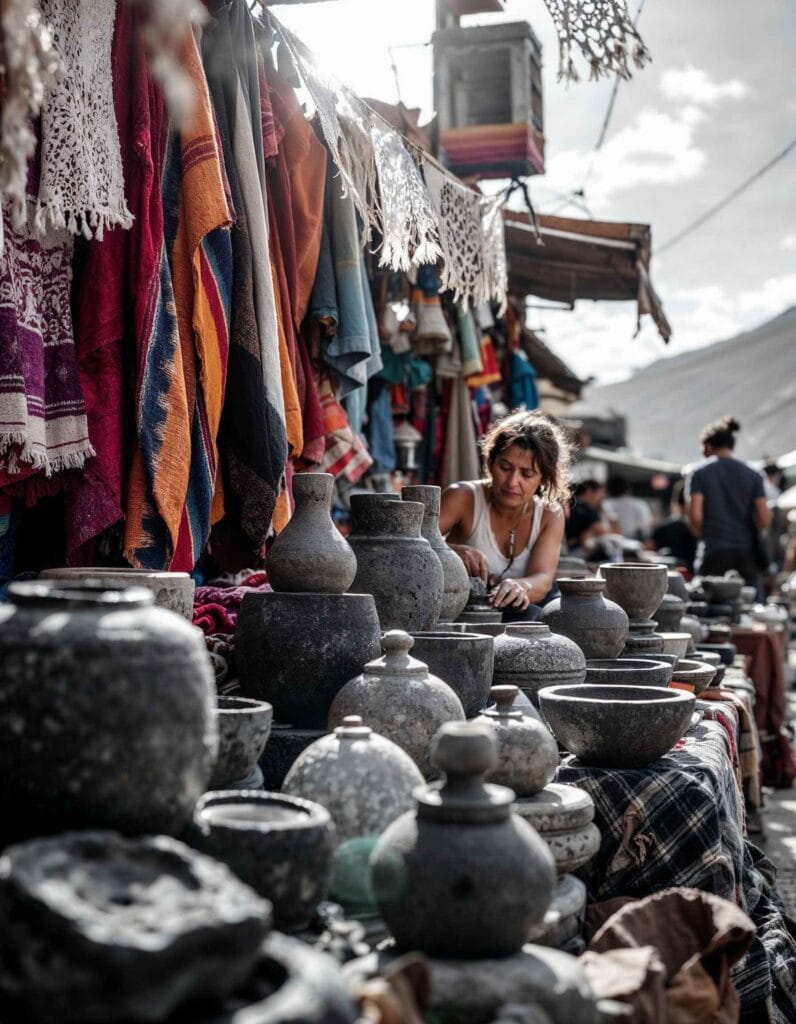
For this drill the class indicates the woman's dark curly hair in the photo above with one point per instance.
(721, 434)
(540, 435)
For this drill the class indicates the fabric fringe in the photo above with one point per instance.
(50, 215)
(604, 34)
(20, 455)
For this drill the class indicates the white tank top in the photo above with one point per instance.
(483, 538)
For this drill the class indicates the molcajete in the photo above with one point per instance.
(530, 656)
(463, 660)
(107, 712)
(395, 563)
(297, 650)
(400, 699)
(457, 587)
(598, 626)
(310, 555)
(172, 590)
(638, 587)
(431, 868)
(628, 672)
(527, 752)
(279, 845)
(243, 729)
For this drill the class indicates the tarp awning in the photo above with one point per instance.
(582, 259)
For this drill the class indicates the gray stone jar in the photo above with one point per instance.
(457, 585)
(463, 660)
(399, 698)
(638, 587)
(172, 590)
(669, 613)
(107, 712)
(432, 868)
(583, 613)
(529, 655)
(311, 555)
(395, 563)
(527, 752)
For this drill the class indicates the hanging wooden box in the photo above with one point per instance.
(488, 97)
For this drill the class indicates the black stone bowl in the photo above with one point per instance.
(721, 589)
(279, 845)
(628, 671)
(616, 726)
(465, 661)
(243, 729)
(726, 652)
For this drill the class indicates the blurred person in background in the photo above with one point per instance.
(673, 536)
(630, 516)
(586, 527)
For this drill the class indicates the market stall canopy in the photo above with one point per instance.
(582, 259)
(549, 366)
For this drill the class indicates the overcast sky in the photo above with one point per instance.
(717, 102)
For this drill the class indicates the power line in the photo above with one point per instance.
(713, 210)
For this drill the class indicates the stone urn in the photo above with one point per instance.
(395, 563)
(172, 590)
(99, 928)
(669, 613)
(529, 655)
(463, 660)
(457, 587)
(311, 555)
(279, 845)
(527, 752)
(676, 585)
(399, 698)
(107, 711)
(583, 613)
(432, 868)
(637, 587)
(297, 650)
(642, 639)
(243, 729)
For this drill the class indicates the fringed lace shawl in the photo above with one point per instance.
(603, 33)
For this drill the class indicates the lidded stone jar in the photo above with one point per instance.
(530, 656)
(456, 590)
(583, 613)
(462, 876)
(527, 753)
(398, 698)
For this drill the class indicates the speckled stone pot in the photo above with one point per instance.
(243, 729)
(431, 868)
(628, 672)
(465, 661)
(107, 712)
(557, 808)
(696, 676)
(478, 610)
(395, 563)
(311, 555)
(564, 920)
(297, 650)
(616, 726)
(172, 590)
(572, 848)
(598, 626)
(669, 613)
(529, 655)
(527, 752)
(637, 587)
(101, 929)
(457, 588)
(399, 698)
(279, 845)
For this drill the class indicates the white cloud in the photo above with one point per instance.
(788, 243)
(696, 85)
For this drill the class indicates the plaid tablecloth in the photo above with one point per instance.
(678, 822)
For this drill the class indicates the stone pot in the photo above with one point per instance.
(431, 869)
(668, 659)
(311, 555)
(173, 590)
(642, 639)
(284, 746)
(628, 672)
(689, 624)
(395, 563)
(478, 610)
(457, 587)
(637, 587)
(400, 699)
(676, 585)
(463, 660)
(572, 568)
(530, 656)
(557, 808)
(98, 929)
(722, 589)
(694, 676)
(243, 730)
(676, 643)
(279, 845)
(527, 752)
(669, 613)
(616, 726)
(598, 626)
(727, 652)
(107, 712)
(297, 650)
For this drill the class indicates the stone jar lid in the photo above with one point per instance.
(527, 752)
(396, 660)
(559, 807)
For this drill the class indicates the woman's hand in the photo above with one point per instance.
(511, 594)
(474, 560)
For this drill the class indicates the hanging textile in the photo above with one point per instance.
(345, 455)
(459, 216)
(82, 183)
(494, 241)
(461, 444)
(603, 32)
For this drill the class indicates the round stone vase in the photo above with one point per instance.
(456, 590)
(311, 555)
(530, 656)
(395, 563)
(583, 613)
(527, 752)
(107, 712)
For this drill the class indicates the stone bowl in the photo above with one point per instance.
(280, 845)
(726, 652)
(669, 659)
(616, 726)
(675, 643)
(694, 674)
(243, 729)
(172, 590)
(627, 672)
(748, 595)
(721, 589)
(464, 660)
(635, 586)
(492, 629)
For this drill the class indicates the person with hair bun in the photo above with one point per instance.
(508, 527)
(727, 508)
